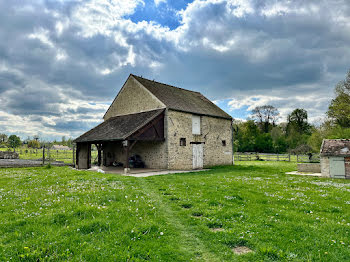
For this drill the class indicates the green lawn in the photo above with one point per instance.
(62, 214)
(55, 155)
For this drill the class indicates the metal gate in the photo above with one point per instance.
(197, 156)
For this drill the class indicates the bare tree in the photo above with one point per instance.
(265, 116)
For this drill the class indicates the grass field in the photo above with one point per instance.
(50, 214)
(55, 155)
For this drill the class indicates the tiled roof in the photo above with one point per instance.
(335, 147)
(181, 99)
(119, 127)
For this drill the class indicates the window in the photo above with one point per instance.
(223, 142)
(182, 141)
(196, 125)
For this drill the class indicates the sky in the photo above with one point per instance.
(62, 62)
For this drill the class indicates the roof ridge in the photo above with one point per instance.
(166, 84)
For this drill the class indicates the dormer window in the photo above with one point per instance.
(196, 125)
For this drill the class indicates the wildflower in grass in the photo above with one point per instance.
(161, 233)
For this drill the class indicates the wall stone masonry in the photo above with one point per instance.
(133, 98)
(347, 167)
(152, 153)
(325, 166)
(309, 167)
(213, 132)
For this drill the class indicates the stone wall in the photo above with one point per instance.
(152, 153)
(347, 167)
(83, 150)
(133, 98)
(8, 155)
(309, 167)
(213, 132)
(325, 166)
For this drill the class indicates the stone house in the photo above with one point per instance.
(335, 158)
(167, 126)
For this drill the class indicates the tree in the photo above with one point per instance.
(315, 141)
(339, 108)
(298, 120)
(13, 142)
(33, 143)
(245, 135)
(70, 142)
(264, 143)
(265, 116)
(279, 141)
(3, 138)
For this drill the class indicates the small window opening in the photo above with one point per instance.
(223, 142)
(182, 141)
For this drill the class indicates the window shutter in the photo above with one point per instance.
(196, 125)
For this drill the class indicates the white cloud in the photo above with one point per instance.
(157, 2)
(42, 35)
(101, 16)
(285, 104)
(286, 53)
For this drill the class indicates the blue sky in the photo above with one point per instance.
(162, 12)
(63, 61)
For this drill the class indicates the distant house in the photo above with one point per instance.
(59, 147)
(335, 158)
(168, 127)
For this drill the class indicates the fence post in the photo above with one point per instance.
(278, 159)
(43, 155)
(297, 158)
(289, 157)
(48, 153)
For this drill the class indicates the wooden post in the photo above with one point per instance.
(99, 146)
(48, 153)
(43, 155)
(289, 157)
(127, 156)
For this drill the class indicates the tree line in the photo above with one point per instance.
(261, 133)
(14, 141)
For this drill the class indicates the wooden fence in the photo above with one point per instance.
(252, 156)
(47, 155)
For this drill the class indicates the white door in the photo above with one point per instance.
(197, 156)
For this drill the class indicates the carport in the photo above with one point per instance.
(116, 137)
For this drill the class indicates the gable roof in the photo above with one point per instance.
(181, 99)
(119, 127)
(335, 147)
